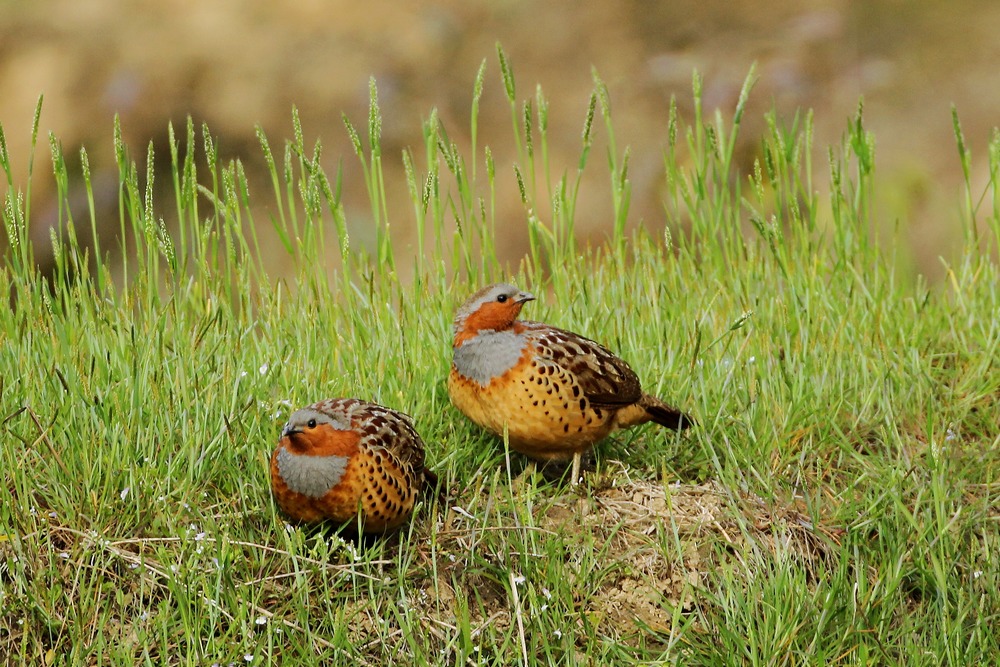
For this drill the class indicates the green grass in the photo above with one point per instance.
(837, 503)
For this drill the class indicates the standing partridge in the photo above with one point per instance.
(555, 392)
(341, 459)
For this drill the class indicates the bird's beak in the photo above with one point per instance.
(523, 297)
(288, 431)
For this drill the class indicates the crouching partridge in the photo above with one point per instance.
(343, 460)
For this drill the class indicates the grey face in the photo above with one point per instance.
(498, 292)
(309, 418)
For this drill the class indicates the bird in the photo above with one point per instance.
(346, 460)
(553, 392)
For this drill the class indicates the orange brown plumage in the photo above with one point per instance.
(343, 459)
(555, 392)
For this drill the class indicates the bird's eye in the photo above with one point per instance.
(502, 298)
(311, 423)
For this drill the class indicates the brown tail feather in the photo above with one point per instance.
(664, 415)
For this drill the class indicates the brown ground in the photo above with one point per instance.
(237, 64)
(643, 554)
(656, 544)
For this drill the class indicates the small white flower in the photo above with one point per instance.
(558, 633)
(215, 562)
(200, 536)
(977, 574)
(52, 515)
(546, 593)
(261, 620)
(64, 555)
(519, 580)
(949, 435)
(124, 494)
(248, 657)
(751, 360)
(263, 369)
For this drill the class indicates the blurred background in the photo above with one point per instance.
(235, 65)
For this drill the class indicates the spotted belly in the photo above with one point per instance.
(373, 486)
(541, 405)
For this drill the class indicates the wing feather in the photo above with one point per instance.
(605, 379)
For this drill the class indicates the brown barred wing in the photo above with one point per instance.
(605, 379)
(391, 431)
(392, 465)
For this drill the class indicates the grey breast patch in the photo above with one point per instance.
(311, 476)
(488, 355)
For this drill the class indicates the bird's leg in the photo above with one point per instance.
(576, 469)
